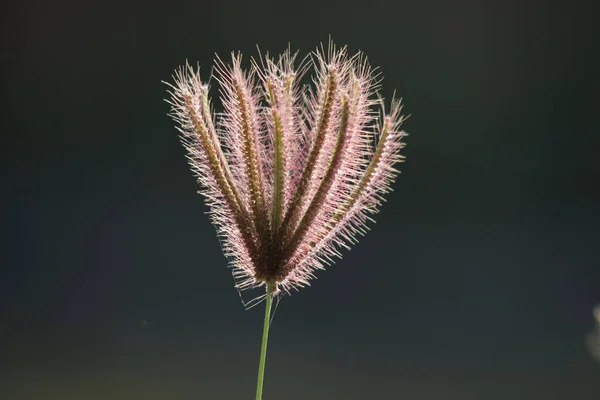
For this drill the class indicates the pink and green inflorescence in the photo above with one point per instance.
(291, 172)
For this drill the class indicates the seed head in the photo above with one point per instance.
(291, 173)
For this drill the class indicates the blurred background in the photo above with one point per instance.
(477, 281)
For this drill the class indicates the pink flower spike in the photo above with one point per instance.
(291, 173)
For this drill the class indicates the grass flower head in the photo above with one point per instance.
(290, 172)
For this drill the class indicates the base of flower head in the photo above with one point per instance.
(270, 273)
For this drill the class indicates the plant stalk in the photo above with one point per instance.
(265, 337)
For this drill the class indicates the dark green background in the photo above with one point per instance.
(477, 282)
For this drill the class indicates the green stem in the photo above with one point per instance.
(263, 349)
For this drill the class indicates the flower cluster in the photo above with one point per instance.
(291, 172)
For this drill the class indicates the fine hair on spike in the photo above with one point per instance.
(291, 172)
